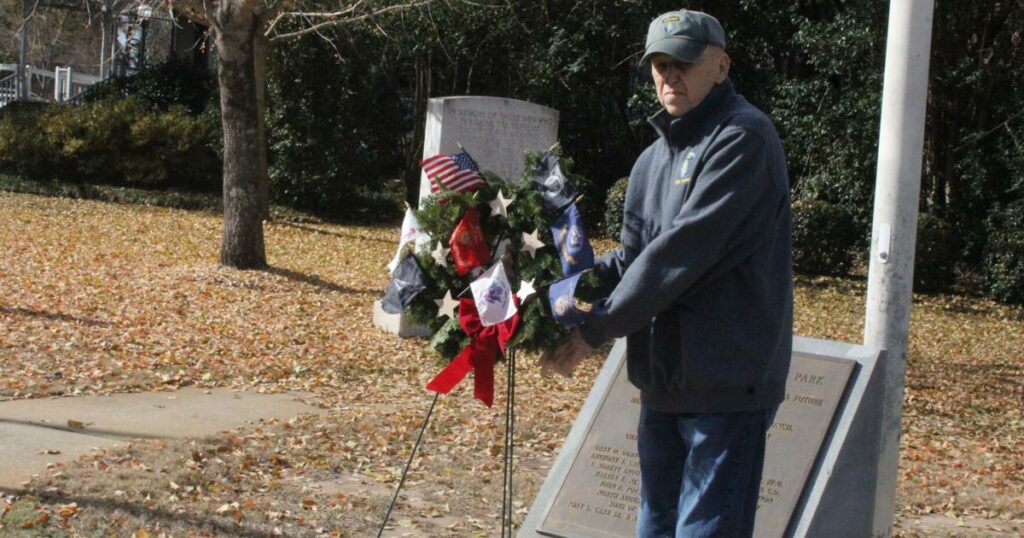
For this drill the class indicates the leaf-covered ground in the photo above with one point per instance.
(98, 298)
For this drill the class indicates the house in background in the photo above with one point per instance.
(113, 38)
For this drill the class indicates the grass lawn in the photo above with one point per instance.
(98, 298)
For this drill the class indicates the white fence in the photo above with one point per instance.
(59, 85)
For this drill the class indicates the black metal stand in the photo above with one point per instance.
(408, 464)
(507, 508)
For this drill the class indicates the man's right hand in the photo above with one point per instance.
(567, 355)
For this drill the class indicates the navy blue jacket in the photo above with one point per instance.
(702, 286)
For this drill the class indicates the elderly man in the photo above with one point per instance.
(701, 287)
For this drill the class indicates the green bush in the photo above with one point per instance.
(817, 74)
(935, 255)
(117, 142)
(24, 149)
(91, 140)
(1004, 255)
(120, 195)
(172, 149)
(1004, 267)
(825, 238)
(614, 206)
(334, 131)
(161, 87)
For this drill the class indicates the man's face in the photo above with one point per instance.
(682, 86)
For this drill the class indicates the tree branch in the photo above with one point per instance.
(273, 11)
(349, 20)
(193, 10)
(345, 11)
(307, 15)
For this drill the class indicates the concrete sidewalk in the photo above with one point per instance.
(36, 432)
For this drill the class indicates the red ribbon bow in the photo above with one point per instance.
(479, 355)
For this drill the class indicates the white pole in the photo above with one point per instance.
(111, 67)
(103, 40)
(24, 77)
(894, 229)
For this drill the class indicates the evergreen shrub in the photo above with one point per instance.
(172, 149)
(175, 83)
(825, 238)
(334, 132)
(1004, 255)
(615, 204)
(935, 255)
(116, 142)
(24, 150)
(90, 141)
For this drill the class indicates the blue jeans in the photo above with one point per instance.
(700, 473)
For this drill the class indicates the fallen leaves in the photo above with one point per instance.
(115, 298)
(67, 510)
(102, 298)
(39, 520)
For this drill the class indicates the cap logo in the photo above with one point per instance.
(683, 35)
(670, 24)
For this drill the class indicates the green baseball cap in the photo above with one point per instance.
(683, 35)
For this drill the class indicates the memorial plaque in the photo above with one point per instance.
(813, 390)
(495, 131)
(599, 495)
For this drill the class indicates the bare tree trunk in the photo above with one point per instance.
(242, 44)
(244, 150)
(261, 43)
(413, 148)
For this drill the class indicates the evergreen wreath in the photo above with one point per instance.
(440, 214)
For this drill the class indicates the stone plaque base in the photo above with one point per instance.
(593, 487)
(397, 324)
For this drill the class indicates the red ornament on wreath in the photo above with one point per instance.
(469, 248)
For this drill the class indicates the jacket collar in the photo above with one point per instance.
(675, 130)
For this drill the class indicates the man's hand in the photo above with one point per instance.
(568, 354)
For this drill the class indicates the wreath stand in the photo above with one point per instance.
(510, 422)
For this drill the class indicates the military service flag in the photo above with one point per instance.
(406, 282)
(555, 188)
(571, 242)
(469, 248)
(410, 232)
(562, 294)
(493, 296)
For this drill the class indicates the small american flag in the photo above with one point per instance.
(453, 172)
